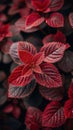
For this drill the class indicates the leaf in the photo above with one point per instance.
(54, 51)
(21, 45)
(70, 91)
(55, 20)
(16, 78)
(56, 5)
(33, 116)
(69, 124)
(68, 108)
(53, 94)
(33, 20)
(25, 56)
(71, 19)
(50, 77)
(66, 64)
(40, 5)
(21, 92)
(24, 45)
(53, 115)
(58, 37)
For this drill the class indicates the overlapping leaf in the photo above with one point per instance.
(53, 94)
(54, 51)
(21, 92)
(70, 91)
(50, 77)
(33, 20)
(53, 115)
(55, 20)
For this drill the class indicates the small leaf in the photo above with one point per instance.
(56, 5)
(50, 77)
(53, 115)
(21, 92)
(70, 91)
(53, 94)
(55, 20)
(54, 51)
(33, 20)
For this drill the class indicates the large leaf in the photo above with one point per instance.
(53, 94)
(71, 19)
(16, 78)
(50, 77)
(53, 115)
(54, 51)
(33, 20)
(21, 92)
(55, 20)
(56, 5)
(33, 118)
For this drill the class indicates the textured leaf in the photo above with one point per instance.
(24, 45)
(39, 58)
(53, 115)
(66, 64)
(21, 45)
(33, 20)
(21, 92)
(71, 19)
(68, 108)
(55, 20)
(41, 5)
(33, 116)
(53, 94)
(50, 77)
(58, 37)
(16, 78)
(16, 112)
(54, 51)
(70, 91)
(56, 5)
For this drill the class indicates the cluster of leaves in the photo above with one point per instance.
(34, 34)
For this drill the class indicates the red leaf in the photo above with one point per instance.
(53, 94)
(33, 116)
(16, 112)
(58, 37)
(54, 51)
(21, 92)
(69, 124)
(50, 77)
(25, 56)
(33, 20)
(55, 20)
(24, 45)
(8, 108)
(56, 5)
(68, 108)
(41, 5)
(38, 58)
(71, 19)
(53, 115)
(17, 79)
(70, 91)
